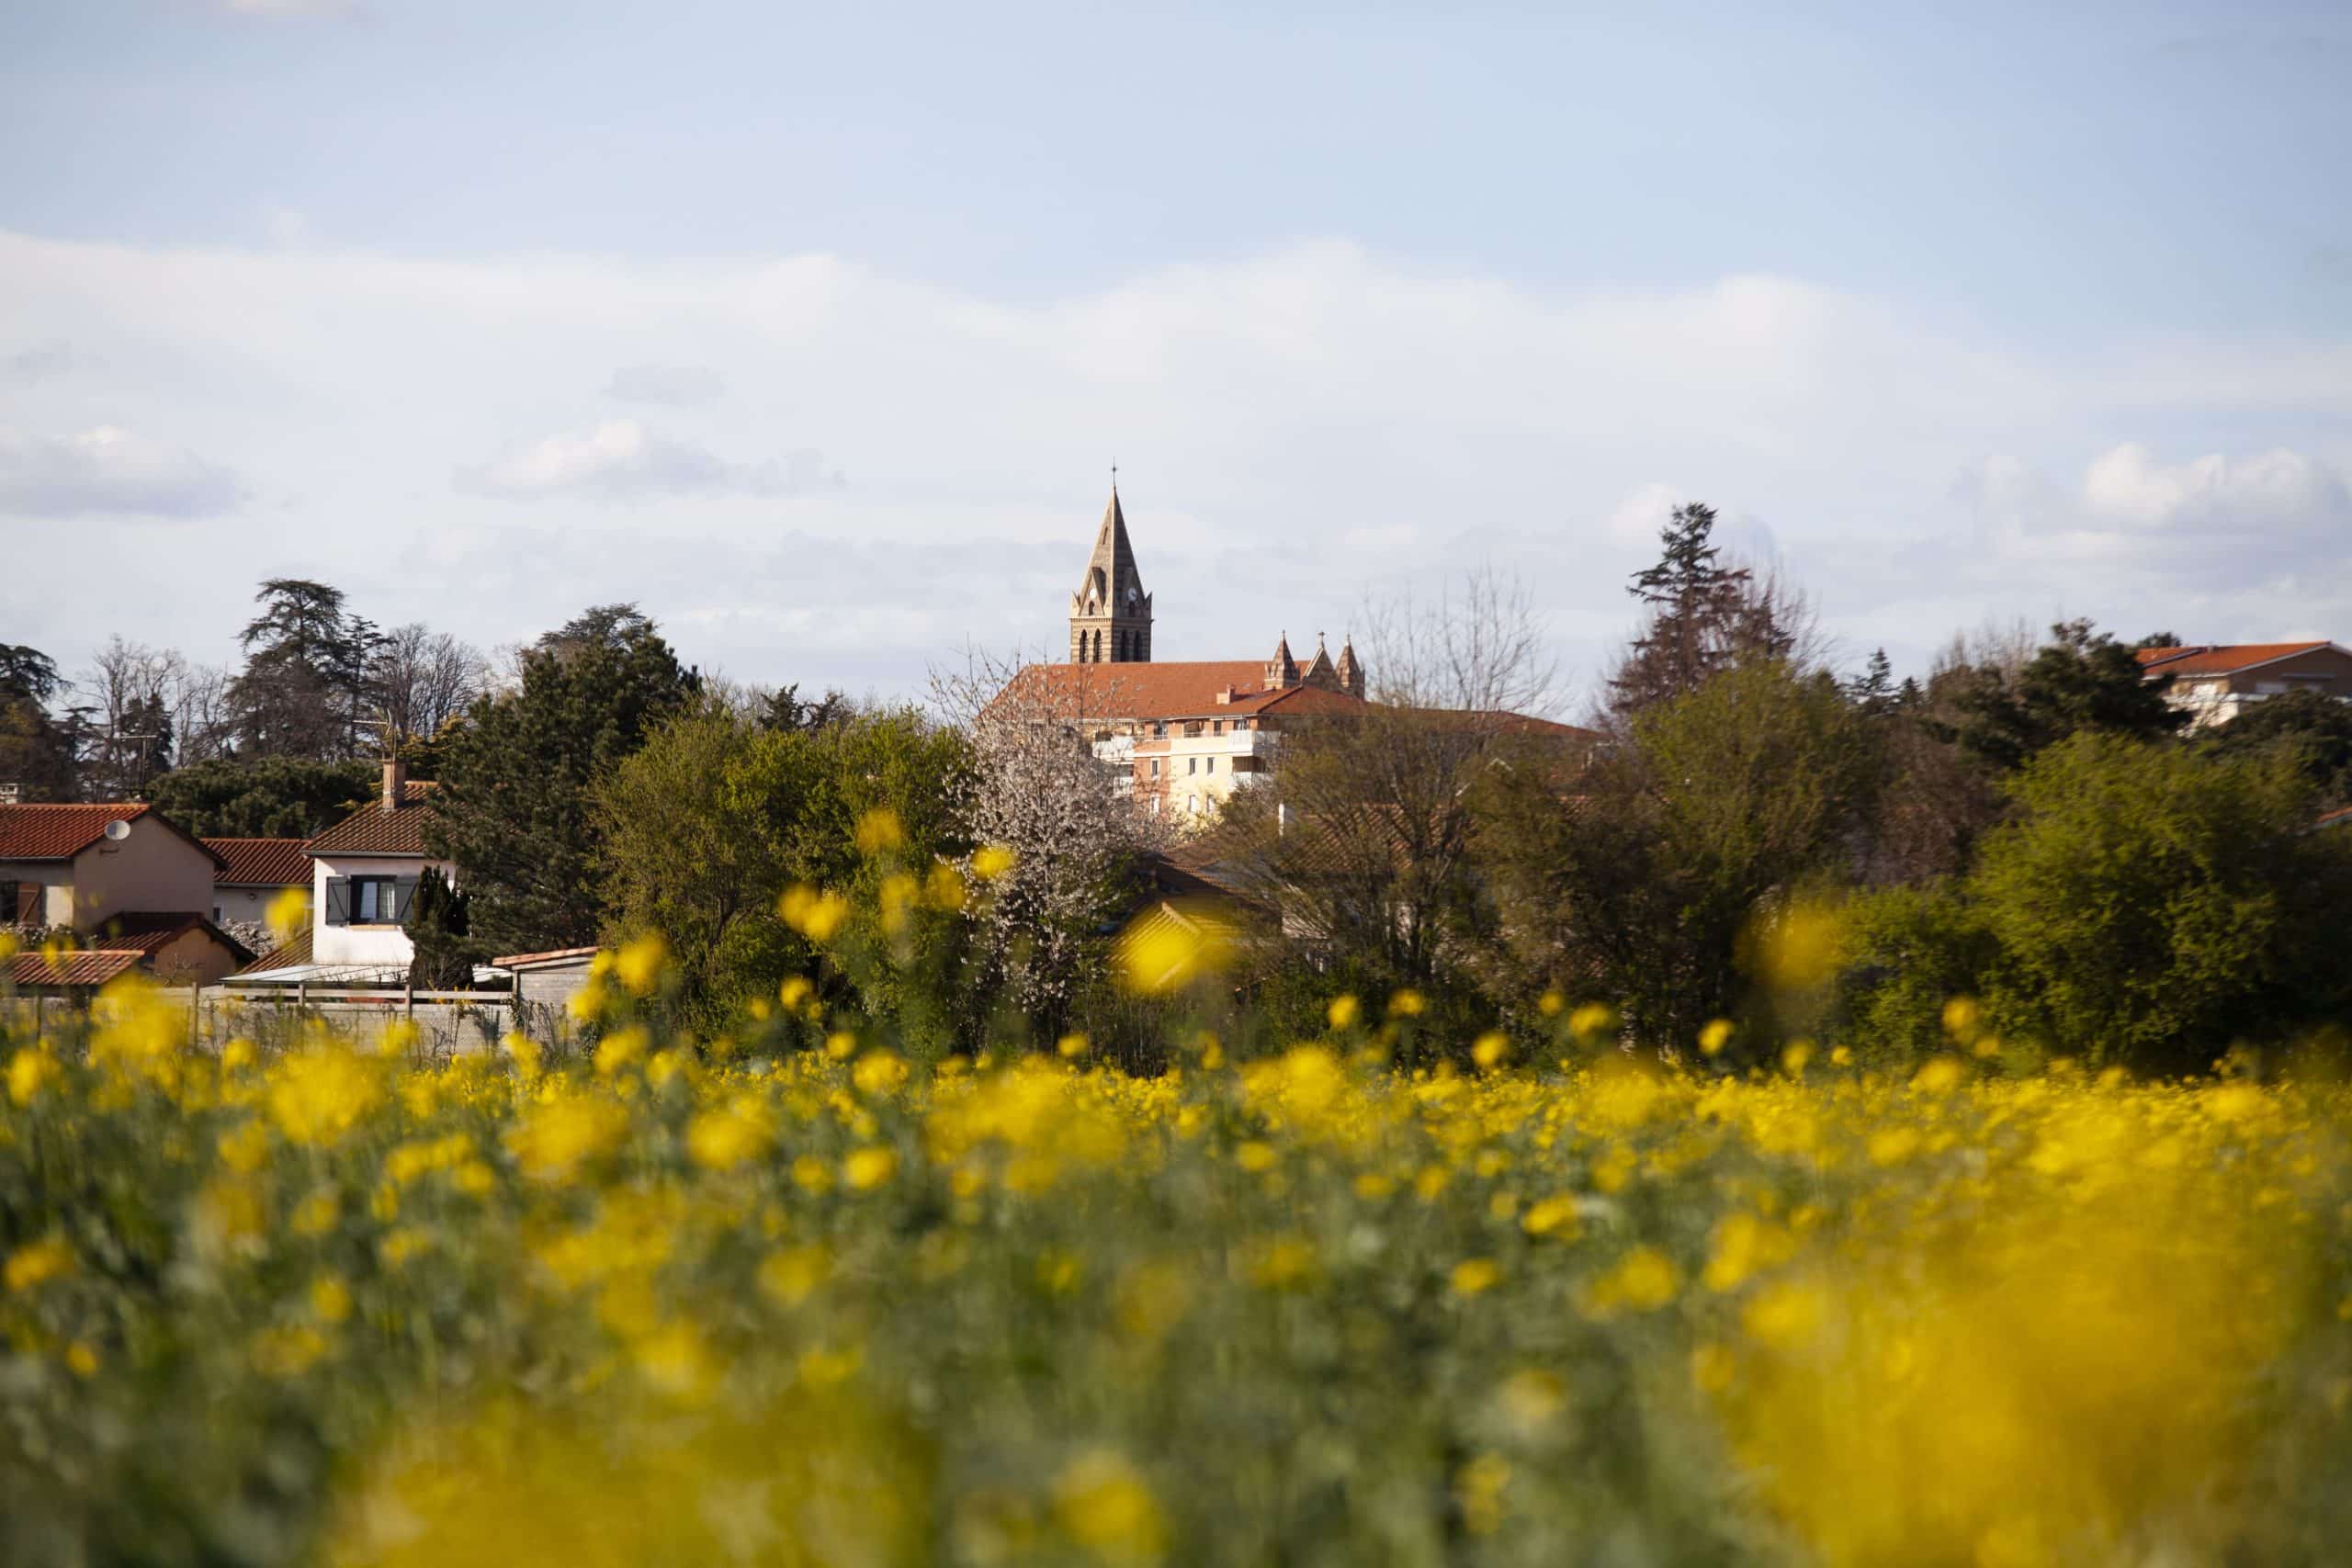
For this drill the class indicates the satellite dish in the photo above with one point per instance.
(118, 830)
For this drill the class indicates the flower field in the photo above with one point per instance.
(661, 1306)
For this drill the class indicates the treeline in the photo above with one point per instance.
(278, 746)
(2026, 854)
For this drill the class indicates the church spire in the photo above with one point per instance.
(1110, 616)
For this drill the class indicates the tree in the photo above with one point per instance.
(2154, 904)
(277, 797)
(37, 753)
(717, 813)
(1701, 616)
(420, 681)
(2313, 728)
(1364, 837)
(438, 932)
(512, 809)
(784, 710)
(304, 688)
(1641, 881)
(1873, 691)
(2078, 679)
(127, 731)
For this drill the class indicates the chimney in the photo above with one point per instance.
(395, 783)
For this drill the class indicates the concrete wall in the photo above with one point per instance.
(233, 906)
(153, 870)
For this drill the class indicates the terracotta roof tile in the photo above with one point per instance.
(2218, 659)
(372, 830)
(554, 956)
(57, 832)
(92, 969)
(285, 956)
(262, 862)
(149, 932)
(1111, 692)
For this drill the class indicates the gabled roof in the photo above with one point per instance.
(31, 969)
(2219, 659)
(1076, 692)
(61, 833)
(372, 830)
(261, 862)
(149, 932)
(553, 958)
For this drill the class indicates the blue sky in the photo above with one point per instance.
(815, 329)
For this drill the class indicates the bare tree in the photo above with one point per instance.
(129, 692)
(422, 679)
(204, 724)
(1038, 789)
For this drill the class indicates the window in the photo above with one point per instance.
(1191, 764)
(20, 904)
(368, 900)
(1154, 767)
(1208, 764)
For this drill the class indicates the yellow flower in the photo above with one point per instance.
(621, 1048)
(1783, 1316)
(943, 889)
(37, 1263)
(879, 832)
(991, 861)
(1103, 1507)
(330, 1299)
(29, 1071)
(1553, 1217)
(640, 965)
(523, 1051)
(1406, 1003)
(1071, 1045)
(1490, 1048)
(1167, 949)
(841, 1045)
(289, 914)
(869, 1168)
(320, 1094)
(245, 1149)
(554, 1140)
(81, 1360)
(815, 915)
(1343, 1012)
(794, 991)
(1256, 1155)
(1643, 1280)
(1592, 1020)
(1716, 1036)
(879, 1073)
(239, 1054)
(1551, 1004)
(792, 1275)
(732, 1135)
(1474, 1276)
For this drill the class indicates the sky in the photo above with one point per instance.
(816, 331)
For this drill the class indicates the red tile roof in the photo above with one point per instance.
(2339, 818)
(372, 830)
(148, 933)
(554, 956)
(61, 833)
(29, 969)
(1112, 692)
(57, 832)
(261, 862)
(2218, 659)
(286, 955)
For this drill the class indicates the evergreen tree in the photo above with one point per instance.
(784, 711)
(37, 753)
(512, 809)
(438, 931)
(304, 687)
(2078, 680)
(1873, 691)
(278, 797)
(1701, 616)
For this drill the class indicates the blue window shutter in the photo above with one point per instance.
(338, 901)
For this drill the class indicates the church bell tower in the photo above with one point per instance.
(1110, 616)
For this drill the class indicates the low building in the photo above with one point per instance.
(364, 873)
(255, 874)
(548, 980)
(176, 949)
(74, 868)
(2213, 683)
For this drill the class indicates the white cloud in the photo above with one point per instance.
(1296, 431)
(108, 470)
(621, 461)
(678, 386)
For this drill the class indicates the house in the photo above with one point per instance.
(2214, 681)
(76, 866)
(255, 873)
(549, 979)
(364, 872)
(129, 884)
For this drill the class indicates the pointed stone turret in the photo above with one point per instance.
(1110, 616)
(1281, 670)
(1318, 671)
(1350, 671)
